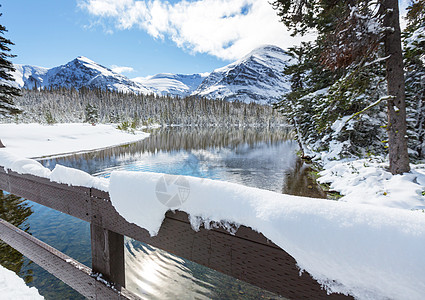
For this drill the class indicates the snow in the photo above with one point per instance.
(347, 247)
(13, 287)
(76, 177)
(76, 73)
(172, 84)
(339, 124)
(256, 77)
(417, 37)
(22, 165)
(22, 73)
(367, 251)
(35, 140)
(367, 181)
(60, 174)
(91, 64)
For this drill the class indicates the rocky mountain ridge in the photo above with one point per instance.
(256, 77)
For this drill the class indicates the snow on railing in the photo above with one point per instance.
(244, 254)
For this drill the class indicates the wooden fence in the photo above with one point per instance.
(247, 255)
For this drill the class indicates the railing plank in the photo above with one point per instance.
(71, 200)
(70, 271)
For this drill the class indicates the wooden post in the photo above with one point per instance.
(108, 254)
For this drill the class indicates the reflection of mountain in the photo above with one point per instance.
(261, 165)
(16, 211)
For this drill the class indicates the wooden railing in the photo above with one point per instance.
(246, 255)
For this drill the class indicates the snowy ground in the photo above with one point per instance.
(35, 140)
(367, 181)
(13, 287)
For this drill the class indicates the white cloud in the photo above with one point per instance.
(119, 70)
(227, 29)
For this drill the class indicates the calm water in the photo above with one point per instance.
(258, 158)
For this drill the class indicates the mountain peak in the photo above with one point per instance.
(88, 63)
(85, 59)
(256, 77)
(267, 47)
(267, 52)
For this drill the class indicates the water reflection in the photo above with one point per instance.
(158, 275)
(299, 182)
(170, 140)
(155, 274)
(262, 158)
(63, 232)
(16, 211)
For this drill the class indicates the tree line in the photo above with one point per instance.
(64, 105)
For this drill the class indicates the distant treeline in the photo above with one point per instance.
(100, 106)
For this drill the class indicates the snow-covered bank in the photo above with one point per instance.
(366, 251)
(35, 140)
(13, 287)
(367, 181)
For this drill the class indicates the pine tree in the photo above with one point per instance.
(350, 36)
(7, 90)
(92, 114)
(414, 57)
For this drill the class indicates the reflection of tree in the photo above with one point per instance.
(299, 182)
(175, 139)
(16, 211)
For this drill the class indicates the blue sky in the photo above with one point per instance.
(143, 37)
(50, 33)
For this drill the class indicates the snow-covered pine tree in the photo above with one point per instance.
(349, 41)
(323, 93)
(69, 105)
(7, 90)
(92, 115)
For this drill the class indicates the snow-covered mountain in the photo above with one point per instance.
(25, 75)
(172, 84)
(81, 72)
(256, 77)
